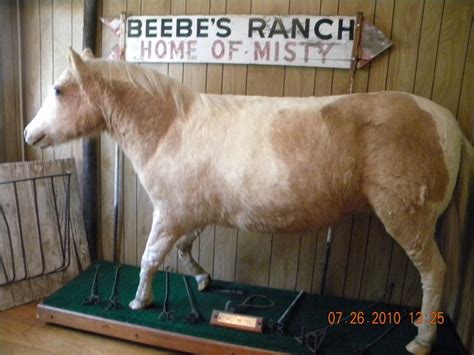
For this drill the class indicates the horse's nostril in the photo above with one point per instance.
(25, 132)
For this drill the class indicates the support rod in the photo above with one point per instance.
(90, 165)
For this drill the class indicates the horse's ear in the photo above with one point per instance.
(76, 63)
(87, 54)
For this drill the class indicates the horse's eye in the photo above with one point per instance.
(57, 91)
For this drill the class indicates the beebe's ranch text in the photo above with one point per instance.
(284, 40)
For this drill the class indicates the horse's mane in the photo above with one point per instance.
(132, 74)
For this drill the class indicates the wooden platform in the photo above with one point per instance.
(22, 333)
(140, 334)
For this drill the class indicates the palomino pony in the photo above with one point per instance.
(265, 164)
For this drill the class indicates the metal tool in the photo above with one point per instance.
(281, 322)
(232, 291)
(194, 316)
(113, 301)
(248, 303)
(166, 313)
(364, 348)
(93, 297)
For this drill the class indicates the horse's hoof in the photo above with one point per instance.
(203, 281)
(415, 347)
(136, 305)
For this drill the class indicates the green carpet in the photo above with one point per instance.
(311, 312)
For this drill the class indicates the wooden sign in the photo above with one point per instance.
(315, 41)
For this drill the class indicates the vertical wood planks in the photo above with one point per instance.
(429, 38)
(454, 36)
(9, 120)
(46, 59)
(30, 43)
(62, 18)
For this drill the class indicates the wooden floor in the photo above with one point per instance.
(22, 333)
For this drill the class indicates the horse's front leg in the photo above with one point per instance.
(157, 247)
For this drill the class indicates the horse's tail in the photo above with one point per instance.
(457, 244)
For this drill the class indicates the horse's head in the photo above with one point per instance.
(68, 111)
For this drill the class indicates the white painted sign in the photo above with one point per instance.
(314, 41)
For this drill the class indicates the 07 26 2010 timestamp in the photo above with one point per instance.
(383, 317)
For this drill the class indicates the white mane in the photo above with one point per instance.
(137, 76)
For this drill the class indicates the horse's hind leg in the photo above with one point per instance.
(184, 245)
(413, 228)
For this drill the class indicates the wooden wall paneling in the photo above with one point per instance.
(62, 19)
(306, 260)
(129, 207)
(110, 8)
(299, 81)
(337, 263)
(376, 261)
(428, 47)
(9, 150)
(253, 258)
(356, 256)
(455, 29)
(284, 261)
(383, 19)
(30, 44)
(175, 71)
(3, 148)
(323, 77)
(5, 38)
(46, 59)
(39, 288)
(267, 81)
(405, 35)
(234, 81)
(466, 103)
(17, 152)
(77, 18)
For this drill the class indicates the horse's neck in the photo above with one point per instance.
(139, 120)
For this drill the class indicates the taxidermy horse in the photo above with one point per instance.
(265, 164)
